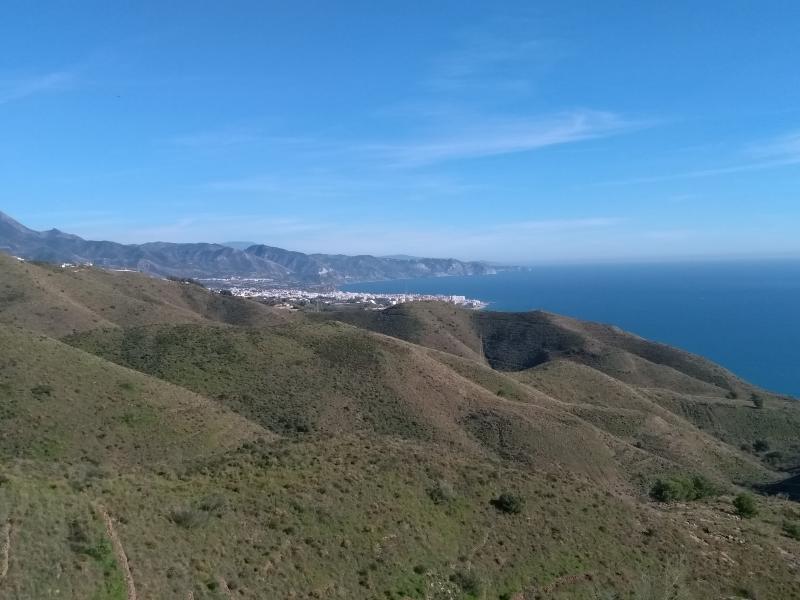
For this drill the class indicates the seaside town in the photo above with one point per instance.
(297, 298)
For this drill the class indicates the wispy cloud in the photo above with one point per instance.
(328, 185)
(560, 225)
(492, 137)
(778, 152)
(17, 89)
(240, 136)
(784, 147)
(511, 63)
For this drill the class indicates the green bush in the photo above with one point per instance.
(681, 489)
(745, 505)
(703, 488)
(468, 581)
(773, 457)
(188, 518)
(42, 389)
(508, 503)
(792, 530)
(761, 445)
(757, 400)
(442, 492)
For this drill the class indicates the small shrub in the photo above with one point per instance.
(703, 488)
(42, 390)
(792, 530)
(773, 457)
(668, 490)
(745, 505)
(77, 535)
(188, 518)
(681, 489)
(508, 503)
(469, 582)
(757, 400)
(761, 445)
(442, 492)
(212, 503)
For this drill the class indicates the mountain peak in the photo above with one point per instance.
(8, 222)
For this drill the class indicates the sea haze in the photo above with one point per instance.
(745, 316)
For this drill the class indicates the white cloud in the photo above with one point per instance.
(493, 136)
(17, 89)
(778, 152)
(785, 147)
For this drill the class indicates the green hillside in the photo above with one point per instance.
(58, 301)
(160, 441)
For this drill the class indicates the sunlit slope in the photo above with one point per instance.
(583, 363)
(518, 341)
(57, 302)
(352, 517)
(316, 459)
(332, 378)
(62, 405)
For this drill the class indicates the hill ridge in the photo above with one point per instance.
(210, 260)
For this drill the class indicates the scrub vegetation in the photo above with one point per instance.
(161, 441)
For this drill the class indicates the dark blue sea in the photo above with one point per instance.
(745, 316)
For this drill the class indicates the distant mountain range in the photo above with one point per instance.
(205, 260)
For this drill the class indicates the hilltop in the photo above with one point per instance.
(165, 441)
(202, 260)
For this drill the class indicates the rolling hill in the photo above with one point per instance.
(161, 441)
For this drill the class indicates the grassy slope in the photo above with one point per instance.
(630, 372)
(64, 405)
(339, 504)
(59, 302)
(353, 517)
(335, 378)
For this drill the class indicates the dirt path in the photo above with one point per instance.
(5, 555)
(119, 552)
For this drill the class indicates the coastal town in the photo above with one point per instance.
(295, 298)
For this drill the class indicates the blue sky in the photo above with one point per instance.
(508, 131)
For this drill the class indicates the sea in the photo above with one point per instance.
(742, 315)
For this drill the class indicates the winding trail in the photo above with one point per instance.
(5, 556)
(119, 552)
